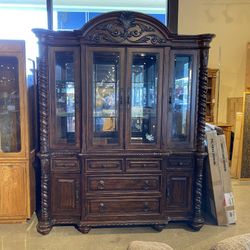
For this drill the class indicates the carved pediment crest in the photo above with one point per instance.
(125, 29)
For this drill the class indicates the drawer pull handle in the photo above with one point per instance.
(100, 185)
(180, 163)
(102, 207)
(146, 185)
(146, 207)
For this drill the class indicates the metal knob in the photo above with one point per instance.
(102, 207)
(100, 185)
(146, 207)
(146, 185)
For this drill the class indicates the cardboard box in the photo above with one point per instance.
(222, 198)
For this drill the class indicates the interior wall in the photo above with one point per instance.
(230, 21)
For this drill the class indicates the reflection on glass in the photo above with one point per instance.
(181, 97)
(106, 70)
(144, 97)
(65, 97)
(10, 132)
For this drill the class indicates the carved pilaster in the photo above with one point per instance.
(198, 220)
(44, 225)
(202, 99)
(43, 107)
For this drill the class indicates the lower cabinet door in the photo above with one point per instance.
(65, 194)
(179, 193)
(13, 191)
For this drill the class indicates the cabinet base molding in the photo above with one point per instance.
(85, 228)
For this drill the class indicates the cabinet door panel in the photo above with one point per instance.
(179, 192)
(10, 131)
(65, 191)
(144, 97)
(13, 191)
(182, 99)
(105, 84)
(64, 79)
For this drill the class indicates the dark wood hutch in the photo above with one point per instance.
(122, 116)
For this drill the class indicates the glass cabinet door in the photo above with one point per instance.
(65, 92)
(143, 97)
(105, 124)
(10, 131)
(181, 100)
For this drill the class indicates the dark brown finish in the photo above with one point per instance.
(49, 4)
(179, 190)
(118, 180)
(65, 190)
(172, 14)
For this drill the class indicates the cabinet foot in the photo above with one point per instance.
(159, 227)
(197, 224)
(44, 227)
(84, 229)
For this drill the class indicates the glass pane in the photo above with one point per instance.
(181, 97)
(106, 70)
(10, 132)
(65, 97)
(144, 97)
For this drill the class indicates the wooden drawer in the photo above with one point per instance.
(143, 165)
(104, 165)
(124, 184)
(180, 162)
(69, 165)
(123, 207)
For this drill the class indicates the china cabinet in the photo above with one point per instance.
(122, 117)
(17, 154)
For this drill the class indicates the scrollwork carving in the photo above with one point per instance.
(126, 28)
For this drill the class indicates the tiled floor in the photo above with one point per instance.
(177, 235)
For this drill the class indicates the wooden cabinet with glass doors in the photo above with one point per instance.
(122, 117)
(17, 154)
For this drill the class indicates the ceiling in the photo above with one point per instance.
(153, 6)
